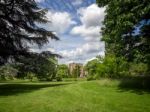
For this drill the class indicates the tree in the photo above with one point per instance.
(8, 72)
(19, 21)
(110, 67)
(126, 29)
(63, 70)
(43, 65)
(91, 66)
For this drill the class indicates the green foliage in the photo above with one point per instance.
(139, 69)
(8, 72)
(110, 67)
(19, 29)
(91, 66)
(90, 78)
(115, 67)
(63, 71)
(43, 67)
(58, 78)
(30, 76)
(126, 29)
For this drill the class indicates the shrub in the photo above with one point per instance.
(49, 79)
(108, 67)
(8, 72)
(138, 69)
(30, 76)
(2, 77)
(42, 65)
(58, 78)
(90, 78)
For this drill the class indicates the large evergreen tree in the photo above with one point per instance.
(19, 29)
(126, 29)
(43, 65)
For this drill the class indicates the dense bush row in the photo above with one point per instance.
(114, 67)
(36, 68)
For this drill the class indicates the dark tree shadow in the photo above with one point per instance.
(15, 89)
(139, 85)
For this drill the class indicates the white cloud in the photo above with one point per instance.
(88, 45)
(92, 15)
(60, 22)
(91, 22)
(84, 32)
(83, 50)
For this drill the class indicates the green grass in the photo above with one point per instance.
(75, 96)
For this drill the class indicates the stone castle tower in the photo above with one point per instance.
(72, 66)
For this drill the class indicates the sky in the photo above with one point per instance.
(77, 23)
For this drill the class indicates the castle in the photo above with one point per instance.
(72, 66)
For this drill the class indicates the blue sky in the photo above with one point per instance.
(77, 23)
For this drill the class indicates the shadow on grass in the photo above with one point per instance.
(15, 89)
(139, 85)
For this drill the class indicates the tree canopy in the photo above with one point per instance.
(126, 30)
(44, 66)
(19, 21)
(63, 70)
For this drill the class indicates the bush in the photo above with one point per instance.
(89, 78)
(108, 67)
(30, 76)
(49, 79)
(135, 82)
(2, 77)
(138, 69)
(58, 78)
(42, 65)
(8, 72)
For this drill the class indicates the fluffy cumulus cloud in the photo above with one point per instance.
(85, 49)
(86, 31)
(83, 53)
(91, 18)
(80, 40)
(60, 22)
(92, 15)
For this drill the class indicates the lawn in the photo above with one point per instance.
(74, 96)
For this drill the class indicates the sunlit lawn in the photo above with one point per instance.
(75, 96)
